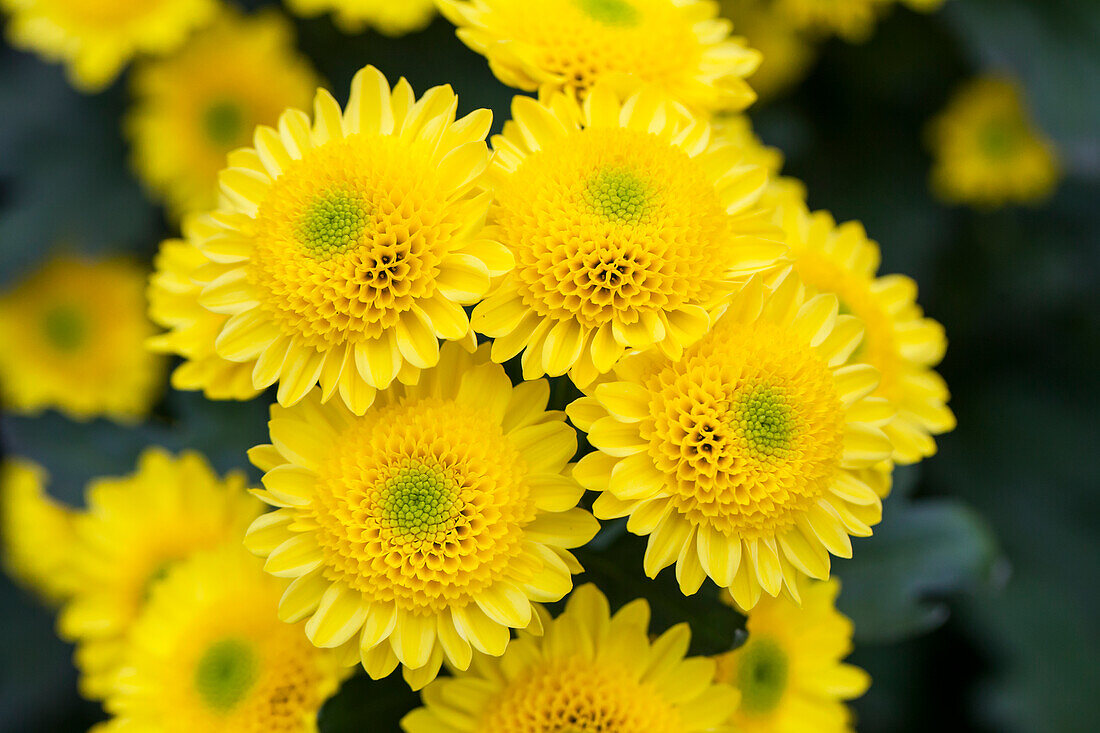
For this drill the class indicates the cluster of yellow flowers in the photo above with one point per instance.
(410, 288)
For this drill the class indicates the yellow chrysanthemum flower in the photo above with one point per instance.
(174, 304)
(192, 109)
(96, 38)
(678, 46)
(987, 151)
(426, 528)
(347, 247)
(36, 532)
(210, 654)
(628, 227)
(72, 338)
(789, 671)
(787, 52)
(392, 17)
(852, 20)
(740, 459)
(133, 530)
(590, 671)
(898, 340)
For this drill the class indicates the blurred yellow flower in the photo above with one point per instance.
(629, 229)
(987, 151)
(678, 46)
(898, 340)
(852, 20)
(96, 38)
(787, 52)
(194, 107)
(132, 532)
(72, 338)
(789, 671)
(347, 245)
(428, 527)
(740, 460)
(590, 671)
(392, 17)
(36, 532)
(208, 654)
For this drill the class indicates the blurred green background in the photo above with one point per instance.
(975, 602)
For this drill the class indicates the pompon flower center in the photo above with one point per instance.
(611, 12)
(762, 671)
(224, 124)
(747, 427)
(423, 503)
(66, 327)
(225, 673)
(579, 695)
(613, 225)
(1000, 137)
(878, 347)
(349, 238)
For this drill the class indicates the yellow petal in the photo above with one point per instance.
(665, 544)
(338, 617)
(571, 528)
(413, 639)
(506, 604)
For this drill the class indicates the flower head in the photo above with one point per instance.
(986, 149)
(427, 527)
(898, 340)
(738, 459)
(96, 38)
(209, 654)
(789, 671)
(36, 532)
(347, 246)
(72, 337)
(629, 229)
(570, 45)
(193, 108)
(590, 671)
(133, 530)
(392, 17)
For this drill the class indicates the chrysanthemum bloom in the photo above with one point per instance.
(427, 527)
(789, 671)
(678, 46)
(96, 38)
(192, 109)
(787, 52)
(740, 460)
(348, 246)
(628, 226)
(133, 530)
(987, 151)
(392, 17)
(590, 671)
(174, 304)
(36, 532)
(852, 20)
(72, 338)
(210, 654)
(898, 340)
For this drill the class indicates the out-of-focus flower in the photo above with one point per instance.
(96, 38)
(852, 20)
(392, 17)
(193, 108)
(987, 151)
(787, 51)
(72, 338)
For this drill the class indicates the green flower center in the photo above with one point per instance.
(610, 12)
(66, 327)
(618, 195)
(762, 675)
(765, 420)
(333, 224)
(999, 138)
(419, 502)
(224, 123)
(225, 674)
